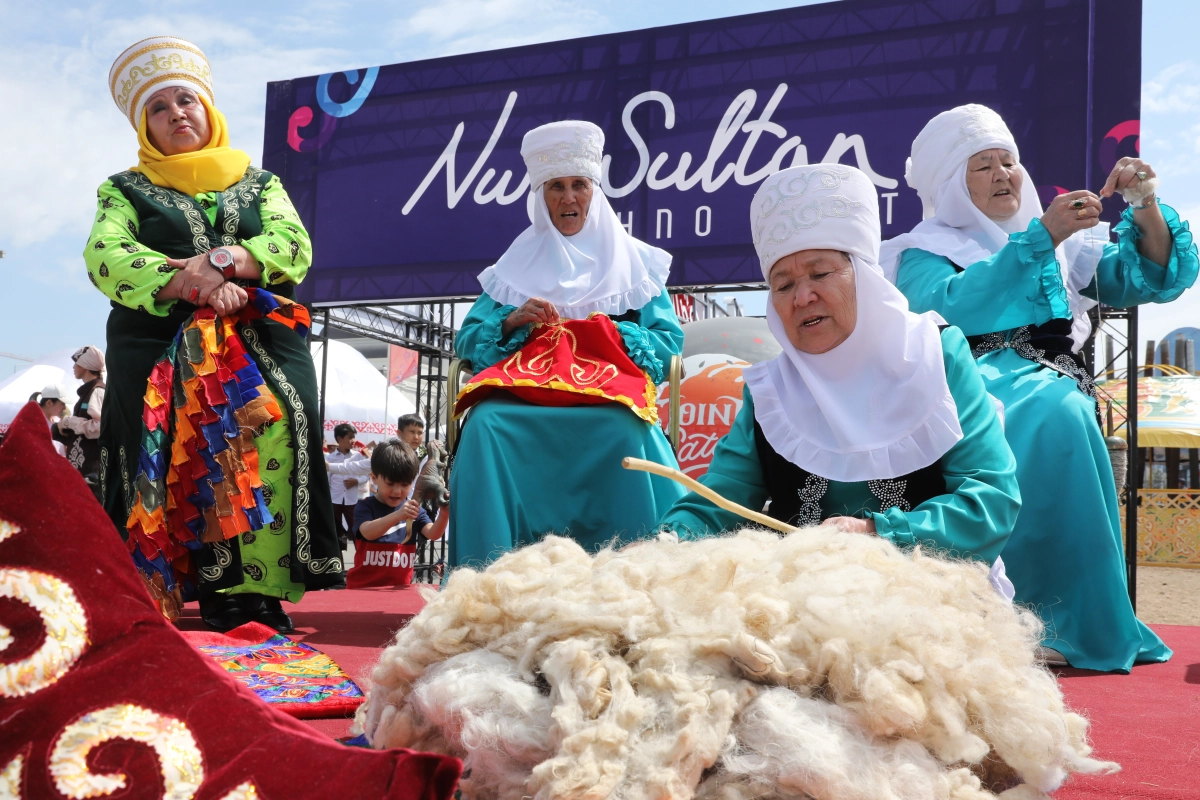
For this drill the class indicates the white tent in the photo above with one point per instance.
(53, 367)
(356, 392)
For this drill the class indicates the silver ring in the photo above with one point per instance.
(1142, 176)
(1078, 202)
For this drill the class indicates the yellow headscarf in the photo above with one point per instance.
(213, 168)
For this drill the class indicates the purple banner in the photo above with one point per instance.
(410, 180)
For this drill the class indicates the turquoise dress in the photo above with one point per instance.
(971, 520)
(1065, 556)
(523, 470)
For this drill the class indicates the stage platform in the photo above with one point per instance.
(1149, 721)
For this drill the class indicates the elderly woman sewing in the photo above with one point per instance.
(871, 418)
(1018, 281)
(210, 442)
(523, 470)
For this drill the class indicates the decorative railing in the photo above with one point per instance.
(1168, 527)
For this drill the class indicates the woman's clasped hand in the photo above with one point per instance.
(198, 282)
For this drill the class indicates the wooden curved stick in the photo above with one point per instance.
(708, 494)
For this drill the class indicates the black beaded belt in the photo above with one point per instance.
(1049, 345)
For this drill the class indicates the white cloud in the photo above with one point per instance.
(1174, 89)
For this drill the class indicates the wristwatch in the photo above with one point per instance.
(223, 262)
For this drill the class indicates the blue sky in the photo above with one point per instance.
(61, 136)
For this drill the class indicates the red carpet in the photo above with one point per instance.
(1148, 721)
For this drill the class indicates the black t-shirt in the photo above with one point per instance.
(370, 508)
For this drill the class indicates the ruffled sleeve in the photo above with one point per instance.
(1020, 285)
(481, 339)
(641, 350)
(974, 518)
(1124, 278)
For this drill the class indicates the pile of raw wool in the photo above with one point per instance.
(822, 664)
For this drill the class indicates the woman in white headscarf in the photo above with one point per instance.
(872, 418)
(522, 470)
(1019, 281)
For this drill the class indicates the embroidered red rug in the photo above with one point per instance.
(103, 697)
(294, 677)
(579, 362)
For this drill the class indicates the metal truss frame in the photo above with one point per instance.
(1105, 365)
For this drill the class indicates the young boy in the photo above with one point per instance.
(412, 432)
(383, 517)
(345, 479)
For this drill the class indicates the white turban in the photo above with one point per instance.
(877, 406)
(945, 144)
(599, 269)
(89, 357)
(956, 229)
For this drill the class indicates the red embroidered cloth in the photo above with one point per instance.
(579, 362)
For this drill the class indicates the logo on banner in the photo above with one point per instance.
(710, 399)
(712, 171)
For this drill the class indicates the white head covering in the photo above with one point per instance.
(876, 406)
(89, 357)
(153, 64)
(956, 229)
(600, 269)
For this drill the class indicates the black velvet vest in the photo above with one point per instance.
(797, 494)
(174, 224)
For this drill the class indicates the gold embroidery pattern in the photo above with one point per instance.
(62, 616)
(243, 791)
(175, 44)
(317, 566)
(179, 757)
(540, 365)
(10, 777)
(648, 414)
(160, 68)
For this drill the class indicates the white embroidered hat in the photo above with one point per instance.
(815, 207)
(562, 149)
(153, 64)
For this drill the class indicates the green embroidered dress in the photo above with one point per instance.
(138, 226)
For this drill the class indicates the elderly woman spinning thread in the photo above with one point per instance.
(872, 418)
(571, 335)
(1019, 281)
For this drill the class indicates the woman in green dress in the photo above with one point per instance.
(873, 418)
(195, 225)
(521, 470)
(1019, 281)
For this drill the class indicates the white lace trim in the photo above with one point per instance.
(614, 305)
(924, 445)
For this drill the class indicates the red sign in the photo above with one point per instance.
(711, 397)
